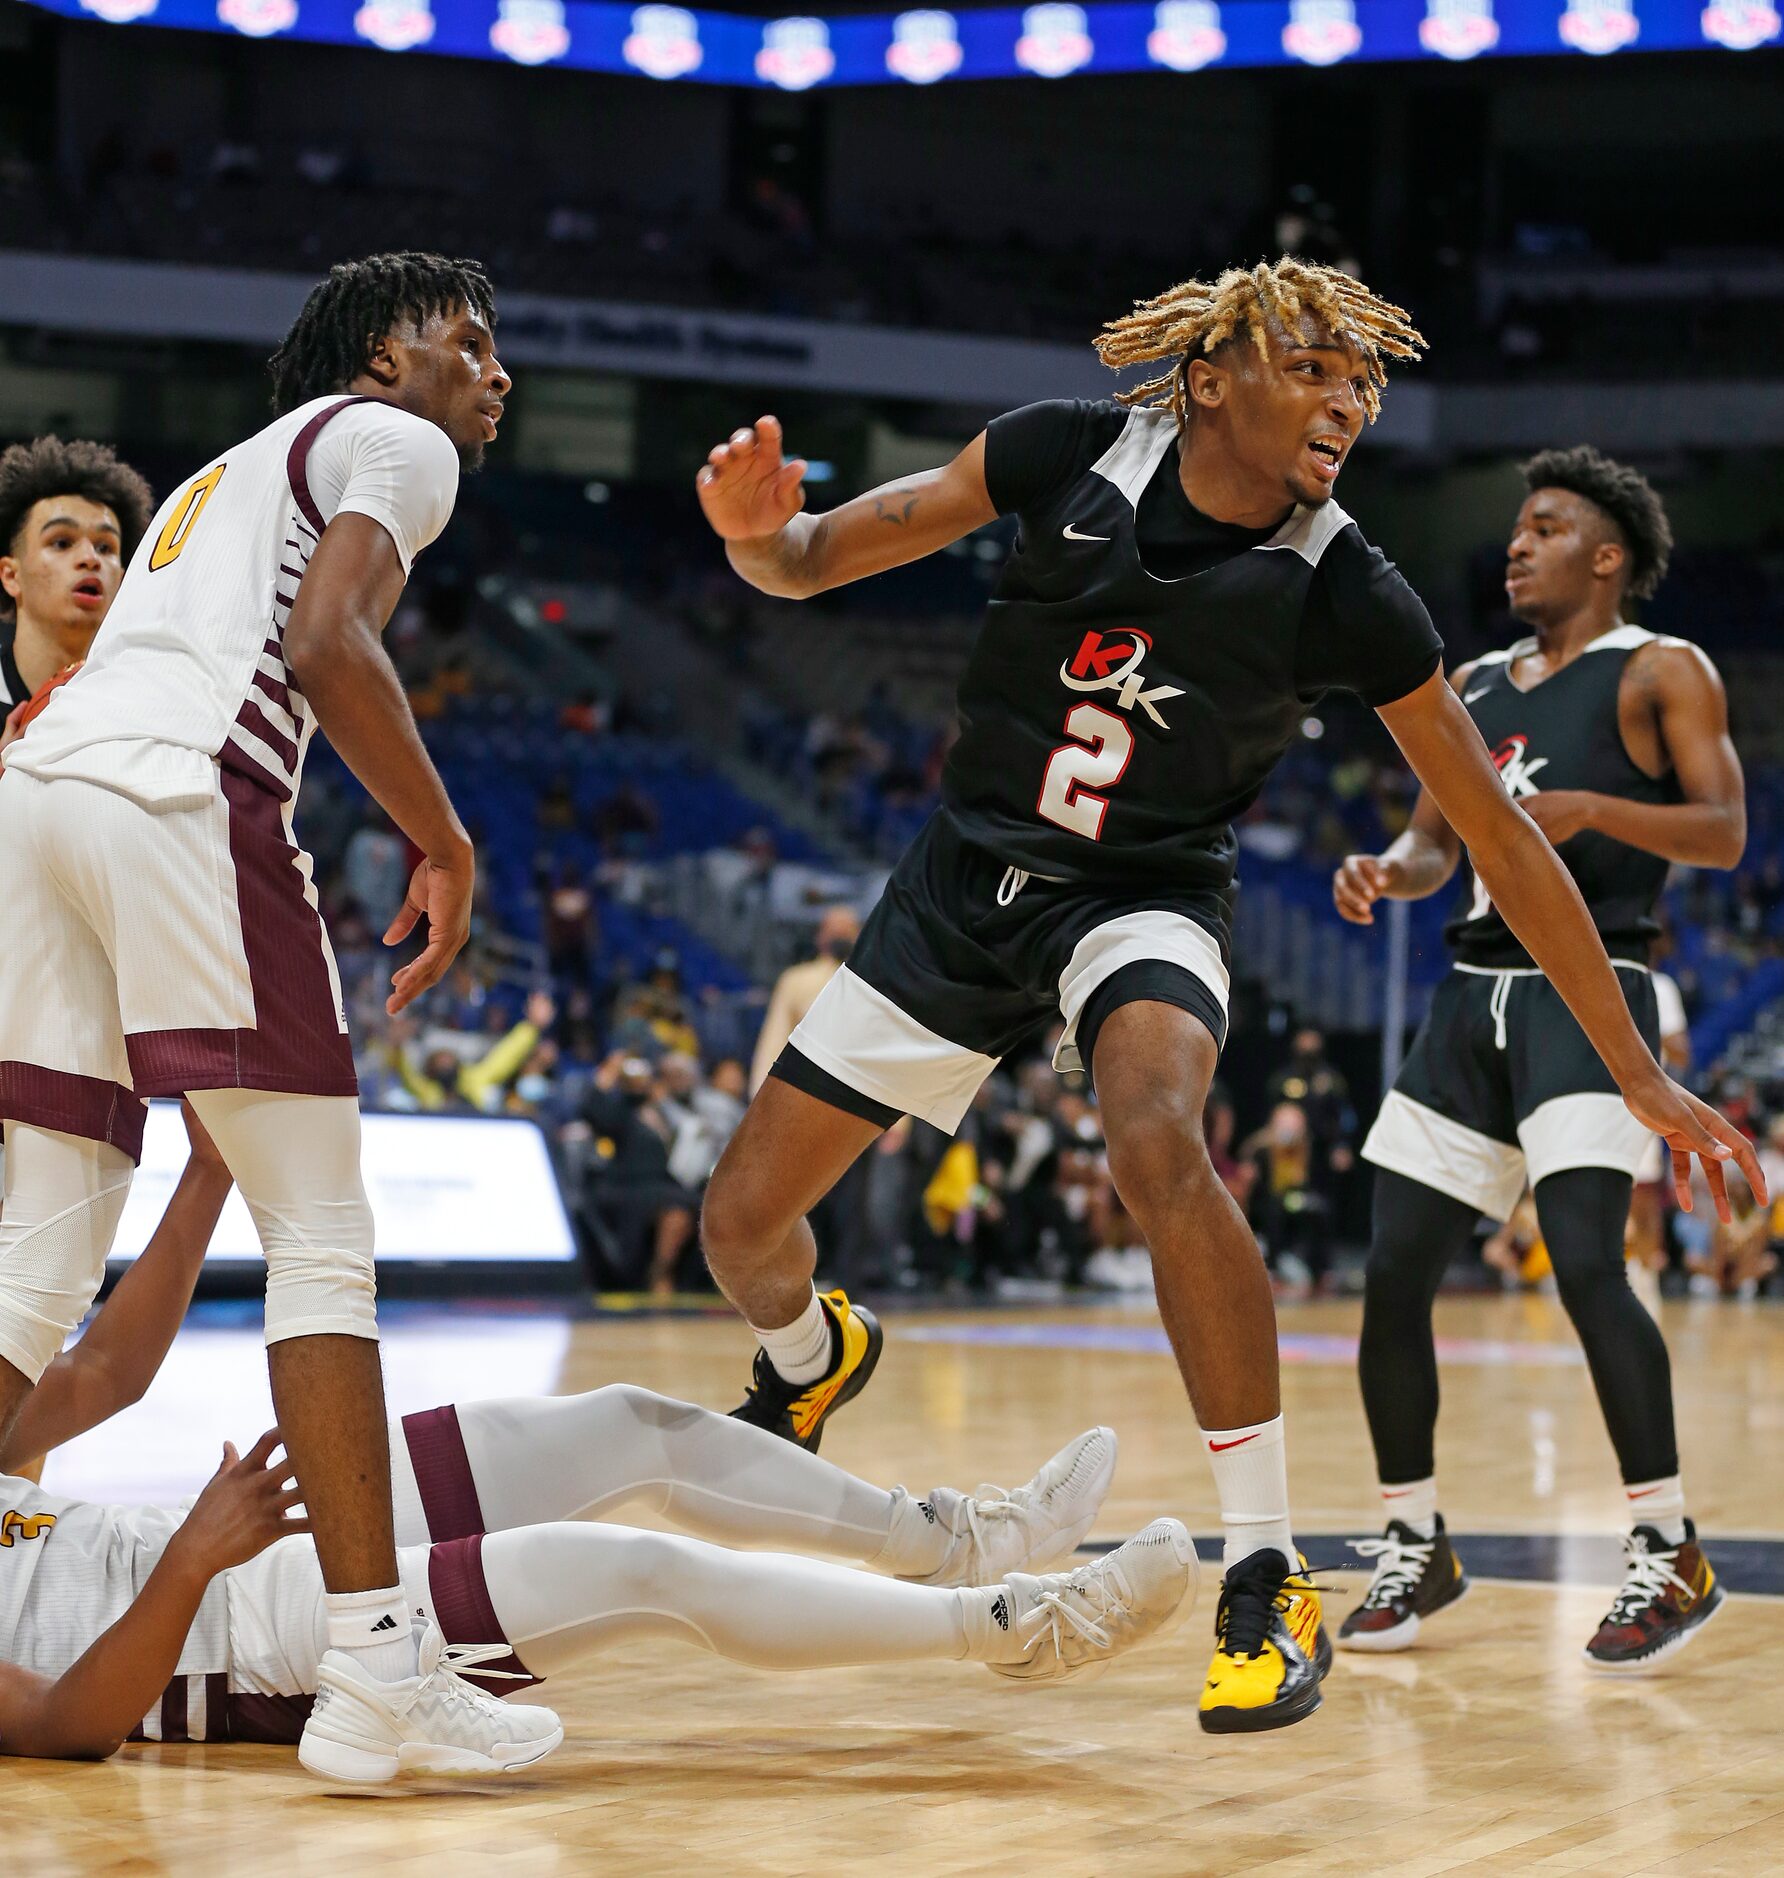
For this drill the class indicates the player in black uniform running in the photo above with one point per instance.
(1615, 742)
(70, 517)
(1182, 590)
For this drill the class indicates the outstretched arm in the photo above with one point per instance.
(1709, 828)
(754, 495)
(1542, 905)
(111, 1366)
(89, 1710)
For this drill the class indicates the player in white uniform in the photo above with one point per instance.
(158, 919)
(70, 516)
(207, 1621)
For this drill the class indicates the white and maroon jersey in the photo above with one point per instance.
(69, 1569)
(188, 672)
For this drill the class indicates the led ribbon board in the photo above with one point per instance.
(928, 46)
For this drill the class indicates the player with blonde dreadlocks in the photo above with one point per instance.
(1182, 589)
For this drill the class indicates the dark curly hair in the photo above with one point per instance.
(33, 472)
(330, 342)
(1624, 496)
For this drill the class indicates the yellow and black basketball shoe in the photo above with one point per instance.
(1271, 1651)
(1668, 1593)
(797, 1411)
(1414, 1578)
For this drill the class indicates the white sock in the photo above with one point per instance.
(918, 1541)
(1660, 1504)
(1251, 1477)
(801, 1352)
(1414, 1504)
(373, 1628)
(562, 1592)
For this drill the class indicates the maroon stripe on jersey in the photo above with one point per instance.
(252, 719)
(236, 761)
(275, 1721)
(296, 1044)
(443, 1474)
(216, 1706)
(280, 694)
(173, 1711)
(87, 1106)
(296, 573)
(464, 1612)
(297, 460)
(277, 648)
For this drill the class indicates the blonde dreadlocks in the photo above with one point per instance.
(1195, 317)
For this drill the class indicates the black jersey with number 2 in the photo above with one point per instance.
(1141, 668)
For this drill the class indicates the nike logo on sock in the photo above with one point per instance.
(1000, 1612)
(1395, 1493)
(1643, 1494)
(1220, 1447)
(1071, 534)
(386, 1622)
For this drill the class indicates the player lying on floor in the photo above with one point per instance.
(205, 1621)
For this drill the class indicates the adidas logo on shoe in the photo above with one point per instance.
(1000, 1611)
(386, 1622)
(926, 1510)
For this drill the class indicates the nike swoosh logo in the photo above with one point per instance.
(1643, 1494)
(1220, 1447)
(1395, 1493)
(1473, 695)
(1071, 534)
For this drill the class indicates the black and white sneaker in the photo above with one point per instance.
(1414, 1577)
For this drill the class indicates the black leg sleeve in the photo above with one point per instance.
(1583, 1213)
(1417, 1232)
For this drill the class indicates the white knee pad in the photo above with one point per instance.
(319, 1273)
(296, 1160)
(64, 1197)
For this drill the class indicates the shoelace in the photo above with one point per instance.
(1242, 1617)
(1087, 1582)
(455, 1657)
(1646, 1577)
(1399, 1571)
(988, 1504)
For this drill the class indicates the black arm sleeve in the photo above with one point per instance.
(1031, 452)
(1364, 629)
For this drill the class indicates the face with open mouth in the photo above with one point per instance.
(1294, 413)
(65, 565)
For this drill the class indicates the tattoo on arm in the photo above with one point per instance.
(895, 508)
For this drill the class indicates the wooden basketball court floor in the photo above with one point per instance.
(1489, 1749)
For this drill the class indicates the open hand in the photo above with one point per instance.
(746, 487)
(441, 891)
(1693, 1127)
(1360, 881)
(244, 1509)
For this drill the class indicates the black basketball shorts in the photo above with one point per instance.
(965, 959)
(1501, 1087)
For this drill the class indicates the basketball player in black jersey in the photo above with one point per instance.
(1182, 590)
(71, 515)
(1615, 742)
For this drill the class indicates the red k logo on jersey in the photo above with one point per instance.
(1516, 768)
(1111, 662)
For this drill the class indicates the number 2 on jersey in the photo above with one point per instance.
(184, 519)
(1073, 770)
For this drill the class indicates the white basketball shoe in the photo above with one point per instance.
(1073, 1623)
(366, 1732)
(1027, 1528)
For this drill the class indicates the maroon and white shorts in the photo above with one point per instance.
(156, 951)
